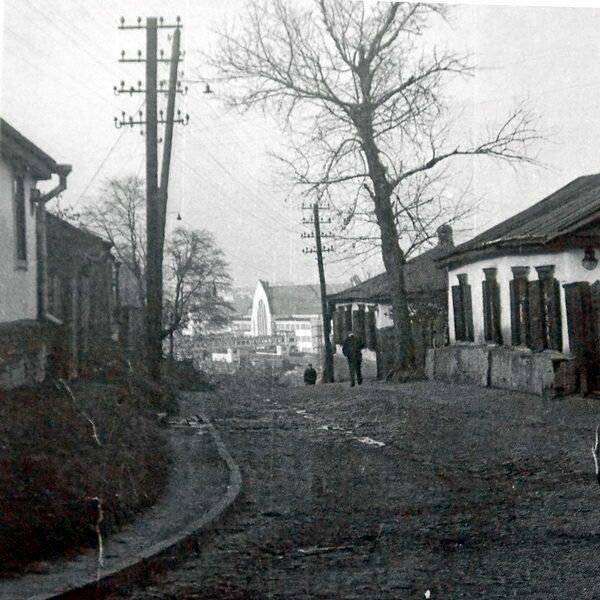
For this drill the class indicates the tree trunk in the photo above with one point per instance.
(171, 354)
(393, 256)
(394, 261)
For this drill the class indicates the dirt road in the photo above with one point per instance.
(403, 491)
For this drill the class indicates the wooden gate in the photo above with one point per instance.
(583, 322)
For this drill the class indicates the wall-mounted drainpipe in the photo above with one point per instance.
(42, 240)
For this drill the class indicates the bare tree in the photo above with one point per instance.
(119, 216)
(362, 96)
(196, 278)
(195, 270)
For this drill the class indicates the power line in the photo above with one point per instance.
(104, 160)
(238, 206)
(26, 42)
(54, 24)
(258, 203)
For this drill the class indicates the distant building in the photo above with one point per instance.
(295, 309)
(524, 299)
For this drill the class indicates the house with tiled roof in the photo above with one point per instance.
(524, 298)
(366, 309)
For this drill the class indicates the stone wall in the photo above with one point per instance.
(543, 373)
(23, 353)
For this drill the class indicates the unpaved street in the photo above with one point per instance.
(391, 491)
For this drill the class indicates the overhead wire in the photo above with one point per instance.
(249, 193)
(104, 161)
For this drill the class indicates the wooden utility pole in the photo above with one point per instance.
(153, 246)
(166, 159)
(156, 197)
(328, 351)
(328, 375)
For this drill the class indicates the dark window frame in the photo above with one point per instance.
(550, 328)
(492, 331)
(463, 310)
(520, 326)
(20, 221)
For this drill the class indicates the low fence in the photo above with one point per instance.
(547, 373)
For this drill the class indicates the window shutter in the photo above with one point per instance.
(371, 331)
(488, 334)
(469, 336)
(553, 316)
(347, 320)
(536, 317)
(523, 295)
(495, 294)
(358, 322)
(337, 325)
(20, 219)
(457, 306)
(514, 314)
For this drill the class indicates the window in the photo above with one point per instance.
(358, 322)
(339, 316)
(519, 307)
(347, 321)
(371, 329)
(544, 302)
(491, 307)
(20, 216)
(463, 310)
(261, 318)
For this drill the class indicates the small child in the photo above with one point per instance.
(310, 375)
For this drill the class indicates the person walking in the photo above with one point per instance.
(351, 348)
(310, 375)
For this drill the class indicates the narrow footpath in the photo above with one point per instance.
(199, 482)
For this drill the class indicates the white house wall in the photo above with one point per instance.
(567, 269)
(18, 283)
(261, 294)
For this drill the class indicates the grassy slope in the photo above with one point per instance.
(52, 468)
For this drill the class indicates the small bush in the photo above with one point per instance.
(187, 377)
(52, 468)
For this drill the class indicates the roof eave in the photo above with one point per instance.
(17, 149)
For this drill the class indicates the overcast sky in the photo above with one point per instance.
(60, 61)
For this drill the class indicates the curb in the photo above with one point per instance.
(167, 552)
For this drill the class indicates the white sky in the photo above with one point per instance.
(59, 63)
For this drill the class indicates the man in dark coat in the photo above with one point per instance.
(351, 348)
(310, 375)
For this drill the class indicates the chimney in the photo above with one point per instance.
(444, 233)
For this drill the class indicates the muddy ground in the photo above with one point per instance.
(392, 491)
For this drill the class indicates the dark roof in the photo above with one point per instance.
(422, 276)
(288, 300)
(15, 147)
(563, 212)
(70, 233)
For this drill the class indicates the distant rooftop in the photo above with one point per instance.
(421, 274)
(288, 300)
